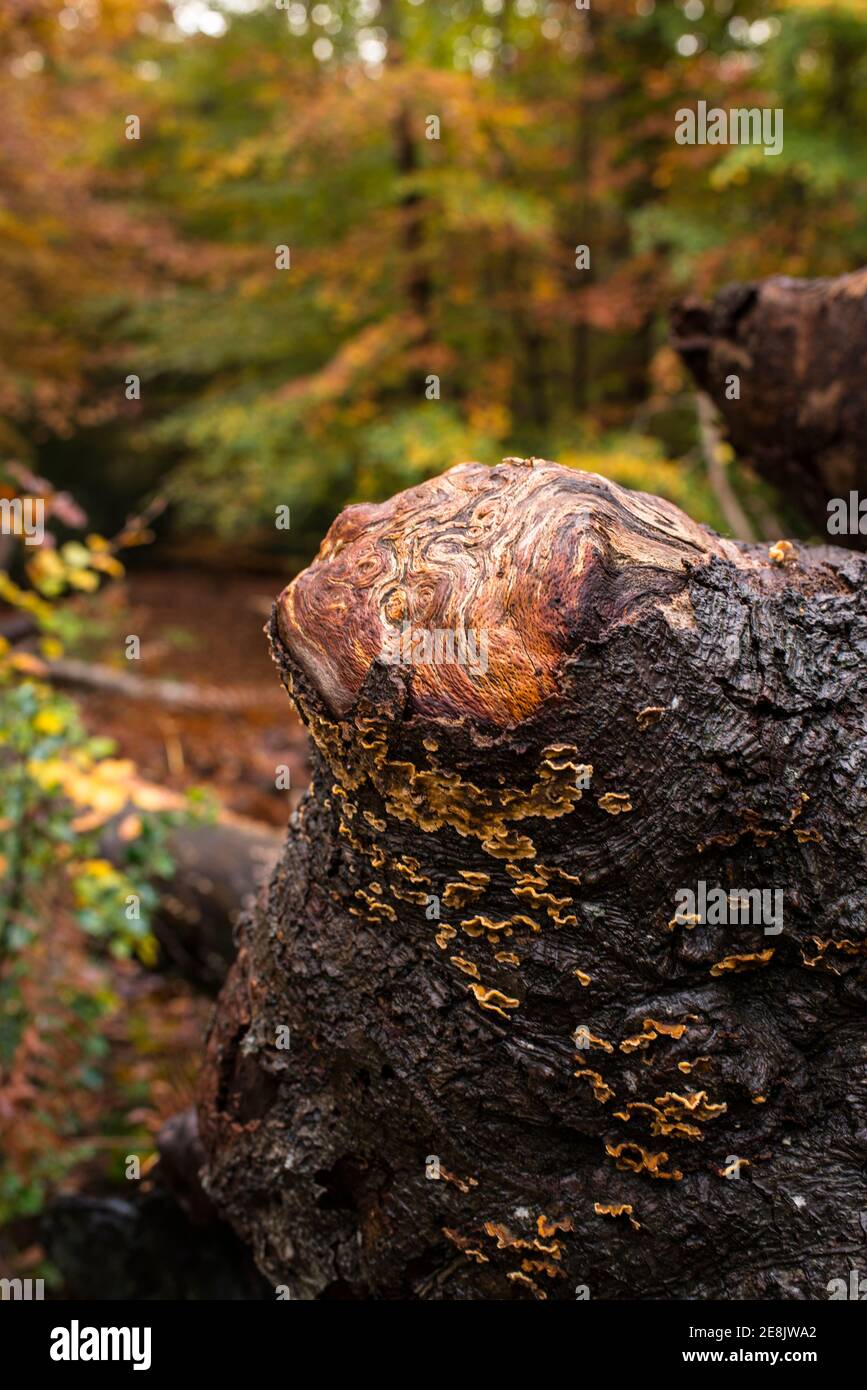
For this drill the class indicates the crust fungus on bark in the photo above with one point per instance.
(559, 1085)
(797, 348)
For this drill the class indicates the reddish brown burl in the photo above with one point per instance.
(528, 557)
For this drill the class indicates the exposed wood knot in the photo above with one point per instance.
(478, 584)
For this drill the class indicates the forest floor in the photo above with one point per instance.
(205, 629)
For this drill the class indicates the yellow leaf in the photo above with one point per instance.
(96, 868)
(83, 579)
(107, 564)
(48, 721)
(75, 554)
(29, 665)
(148, 951)
(130, 828)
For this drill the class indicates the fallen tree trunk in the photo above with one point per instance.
(797, 349)
(518, 1066)
(158, 1239)
(171, 693)
(217, 869)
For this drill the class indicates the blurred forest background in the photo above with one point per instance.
(165, 386)
(305, 125)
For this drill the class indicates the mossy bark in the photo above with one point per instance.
(614, 1101)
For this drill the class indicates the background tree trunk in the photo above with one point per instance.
(660, 707)
(798, 349)
(218, 868)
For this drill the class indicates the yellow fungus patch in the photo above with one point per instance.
(601, 1090)
(687, 1067)
(463, 1244)
(582, 1037)
(734, 1167)
(547, 1226)
(643, 1162)
(697, 1106)
(736, 964)
(493, 999)
(542, 1267)
(519, 920)
(462, 1184)
(516, 1276)
(408, 895)
(459, 895)
(651, 714)
(507, 844)
(543, 899)
(617, 1209)
(375, 907)
(467, 966)
(507, 1241)
(477, 926)
(661, 1123)
(474, 926)
(782, 553)
(686, 919)
(528, 880)
(357, 750)
(670, 1030)
(652, 1028)
(409, 867)
(843, 945)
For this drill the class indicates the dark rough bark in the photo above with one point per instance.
(798, 348)
(719, 696)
